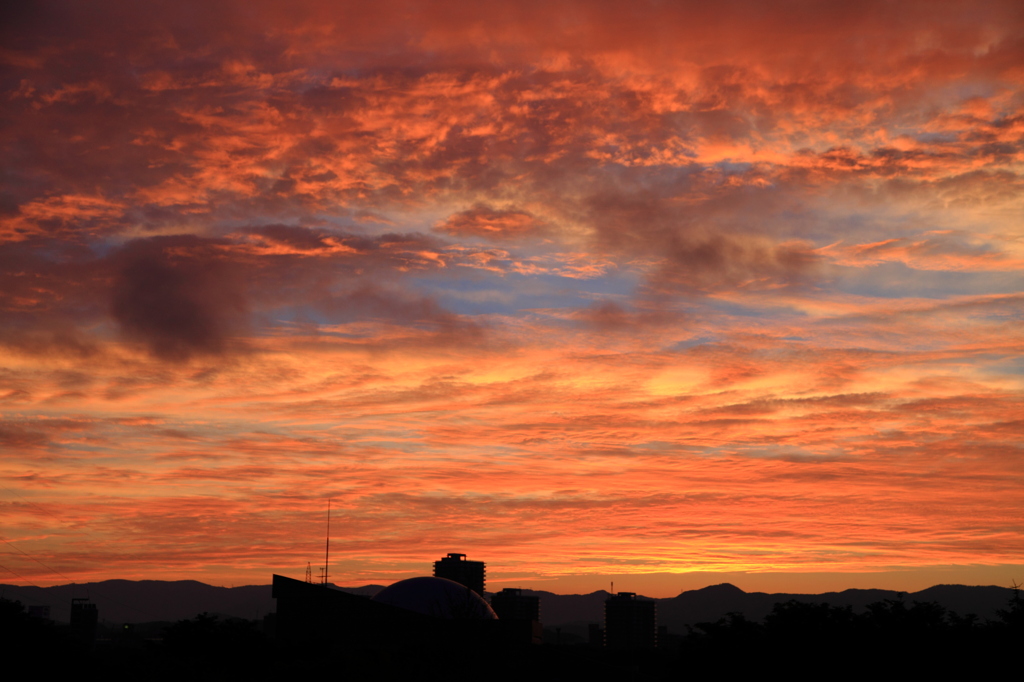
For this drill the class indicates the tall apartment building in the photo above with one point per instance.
(84, 617)
(629, 623)
(472, 574)
(519, 615)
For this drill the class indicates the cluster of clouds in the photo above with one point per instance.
(712, 245)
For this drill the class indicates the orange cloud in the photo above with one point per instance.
(483, 221)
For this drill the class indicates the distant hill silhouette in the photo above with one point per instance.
(711, 603)
(129, 601)
(365, 590)
(140, 601)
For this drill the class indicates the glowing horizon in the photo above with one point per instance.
(575, 289)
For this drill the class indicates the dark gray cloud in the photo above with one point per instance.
(178, 296)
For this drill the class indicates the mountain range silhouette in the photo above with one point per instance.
(130, 601)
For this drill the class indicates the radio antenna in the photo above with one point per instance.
(327, 548)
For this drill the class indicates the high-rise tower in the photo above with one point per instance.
(519, 614)
(629, 623)
(472, 574)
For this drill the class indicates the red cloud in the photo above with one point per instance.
(484, 221)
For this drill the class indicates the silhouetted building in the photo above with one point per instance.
(84, 617)
(512, 604)
(595, 635)
(436, 597)
(418, 613)
(629, 623)
(41, 611)
(520, 613)
(472, 574)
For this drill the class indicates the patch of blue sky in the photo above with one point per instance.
(961, 90)
(761, 309)
(937, 138)
(896, 280)
(347, 220)
(508, 293)
(304, 319)
(1004, 366)
(828, 223)
(699, 340)
(850, 226)
(670, 179)
(733, 167)
(295, 316)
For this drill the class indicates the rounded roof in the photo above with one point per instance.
(437, 597)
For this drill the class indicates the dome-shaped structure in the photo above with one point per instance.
(436, 597)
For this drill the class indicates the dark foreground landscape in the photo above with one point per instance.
(838, 634)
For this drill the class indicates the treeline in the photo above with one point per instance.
(888, 635)
(201, 648)
(210, 648)
(796, 640)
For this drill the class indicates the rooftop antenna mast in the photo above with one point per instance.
(327, 548)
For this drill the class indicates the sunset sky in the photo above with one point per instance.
(668, 293)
